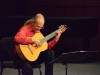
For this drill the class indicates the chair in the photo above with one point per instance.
(7, 55)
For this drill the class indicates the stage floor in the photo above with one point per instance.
(92, 68)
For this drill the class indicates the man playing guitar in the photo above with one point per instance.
(30, 47)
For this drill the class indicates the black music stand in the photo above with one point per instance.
(72, 57)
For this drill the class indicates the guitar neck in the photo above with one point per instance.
(48, 37)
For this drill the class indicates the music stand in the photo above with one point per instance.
(71, 57)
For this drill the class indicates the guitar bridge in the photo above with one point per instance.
(30, 50)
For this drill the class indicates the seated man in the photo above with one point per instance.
(25, 36)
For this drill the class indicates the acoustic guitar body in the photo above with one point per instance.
(30, 52)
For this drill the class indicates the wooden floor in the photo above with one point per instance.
(92, 68)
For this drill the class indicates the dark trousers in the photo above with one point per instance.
(45, 56)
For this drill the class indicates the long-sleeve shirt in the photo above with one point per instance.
(24, 36)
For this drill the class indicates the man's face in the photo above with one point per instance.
(39, 25)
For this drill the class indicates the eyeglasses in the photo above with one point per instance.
(39, 27)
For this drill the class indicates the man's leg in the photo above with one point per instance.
(49, 67)
(25, 66)
(27, 69)
(46, 56)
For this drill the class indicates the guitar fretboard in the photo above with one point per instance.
(46, 38)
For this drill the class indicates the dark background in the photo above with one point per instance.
(20, 9)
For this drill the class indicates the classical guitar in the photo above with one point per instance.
(30, 52)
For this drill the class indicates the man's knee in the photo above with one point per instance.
(51, 52)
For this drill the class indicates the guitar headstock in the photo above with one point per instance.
(63, 28)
